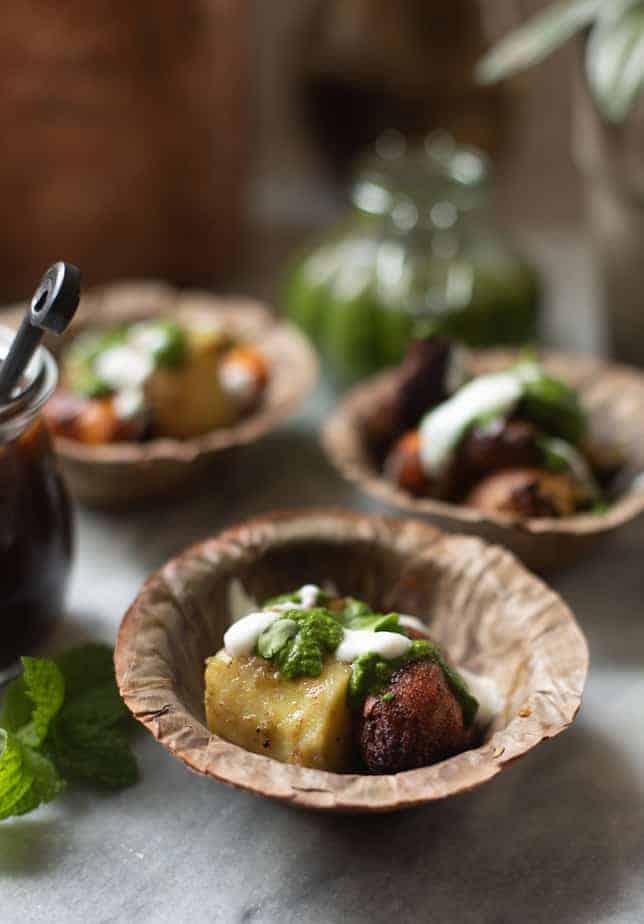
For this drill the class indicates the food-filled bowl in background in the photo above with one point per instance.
(613, 397)
(113, 475)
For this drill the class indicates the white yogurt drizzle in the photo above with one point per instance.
(123, 367)
(241, 638)
(356, 642)
(128, 403)
(442, 429)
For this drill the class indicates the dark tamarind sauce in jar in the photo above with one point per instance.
(35, 517)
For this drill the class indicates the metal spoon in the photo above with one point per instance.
(52, 307)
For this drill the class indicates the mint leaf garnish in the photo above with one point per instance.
(62, 720)
(376, 622)
(45, 687)
(15, 777)
(16, 706)
(353, 611)
(101, 707)
(101, 756)
(46, 782)
(299, 639)
(275, 637)
(85, 667)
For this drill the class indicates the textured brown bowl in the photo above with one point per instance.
(121, 474)
(490, 614)
(613, 397)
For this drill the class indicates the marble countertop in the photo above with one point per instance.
(558, 837)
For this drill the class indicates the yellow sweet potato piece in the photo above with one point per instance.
(189, 400)
(304, 721)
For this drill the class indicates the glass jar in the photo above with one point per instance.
(35, 521)
(419, 251)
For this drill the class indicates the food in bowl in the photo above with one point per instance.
(155, 378)
(512, 442)
(320, 680)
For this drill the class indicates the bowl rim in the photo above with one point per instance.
(343, 442)
(241, 312)
(155, 703)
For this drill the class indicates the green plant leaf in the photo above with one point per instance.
(615, 59)
(376, 622)
(96, 755)
(45, 687)
(46, 782)
(15, 777)
(273, 639)
(552, 405)
(101, 707)
(537, 38)
(16, 706)
(86, 667)
(62, 716)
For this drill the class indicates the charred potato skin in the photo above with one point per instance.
(508, 444)
(404, 468)
(501, 445)
(420, 724)
(92, 421)
(421, 383)
(246, 364)
(526, 492)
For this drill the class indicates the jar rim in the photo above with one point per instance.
(41, 379)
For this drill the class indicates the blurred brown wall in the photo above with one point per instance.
(125, 137)
(538, 184)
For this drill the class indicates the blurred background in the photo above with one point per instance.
(207, 142)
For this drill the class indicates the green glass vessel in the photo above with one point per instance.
(418, 251)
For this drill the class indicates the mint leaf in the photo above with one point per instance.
(61, 717)
(553, 406)
(86, 667)
(354, 610)
(377, 622)
(45, 687)
(15, 777)
(97, 755)
(16, 706)
(275, 637)
(172, 347)
(46, 782)
(318, 633)
(101, 707)
(84, 741)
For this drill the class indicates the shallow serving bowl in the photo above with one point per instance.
(490, 614)
(120, 474)
(614, 399)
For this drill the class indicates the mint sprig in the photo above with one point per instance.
(61, 720)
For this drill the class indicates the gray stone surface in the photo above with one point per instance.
(557, 838)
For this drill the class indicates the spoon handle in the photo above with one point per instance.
(52, 307)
